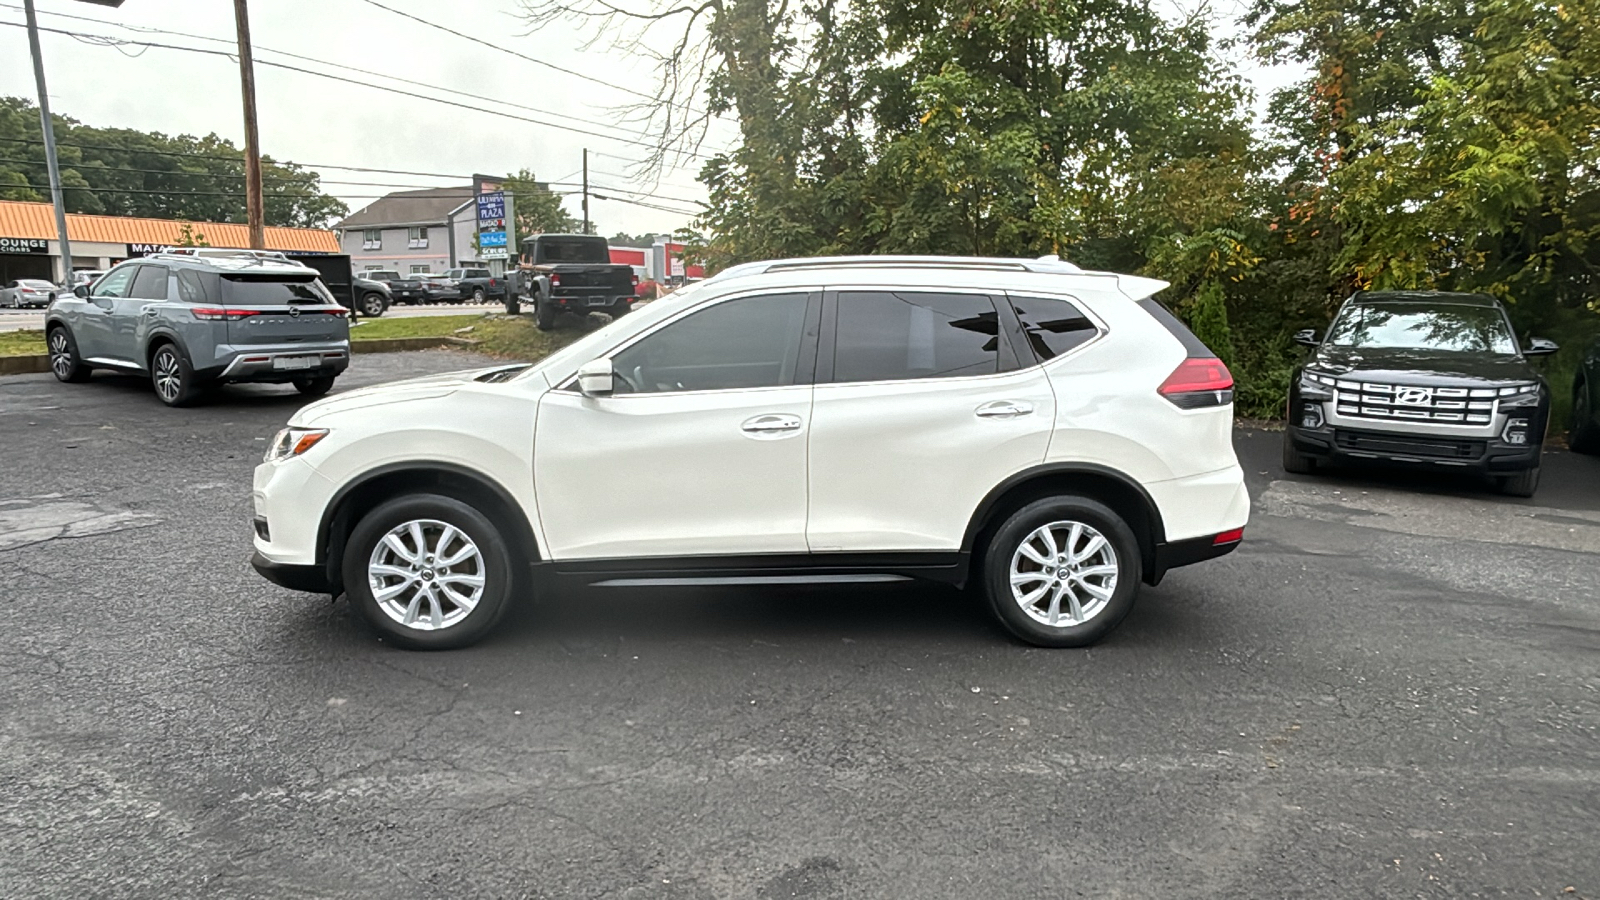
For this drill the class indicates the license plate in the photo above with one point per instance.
(295, 362)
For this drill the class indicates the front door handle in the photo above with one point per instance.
(771, 423)
(1004, 409)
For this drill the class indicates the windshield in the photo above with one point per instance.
(1414, 326)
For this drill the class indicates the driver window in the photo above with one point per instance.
(115, 283)
(750, 342)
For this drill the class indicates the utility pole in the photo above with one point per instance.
(585, 185)
(50, 146)
(254, 213)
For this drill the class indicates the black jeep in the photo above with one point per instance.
(1420, 378)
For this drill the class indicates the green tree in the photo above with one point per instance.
(538, 209)
(123, 172)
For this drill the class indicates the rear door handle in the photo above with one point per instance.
(1004, 409)
(770, 424)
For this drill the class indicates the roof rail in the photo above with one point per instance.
(928, 262)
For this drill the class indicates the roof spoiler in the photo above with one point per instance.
(1138, 287)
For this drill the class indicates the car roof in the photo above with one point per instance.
(1449, 298)
(1025, 270)
(245, 261)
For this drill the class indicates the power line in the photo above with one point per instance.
(493, 46)
(237, 159)
(229, 41)
(83, 166)
(117, 190)
(376, 87)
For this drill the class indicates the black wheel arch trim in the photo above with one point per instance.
(1150, 544)
(336, 513)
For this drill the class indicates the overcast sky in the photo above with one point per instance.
(314, 120)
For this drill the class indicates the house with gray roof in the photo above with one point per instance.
(430, 230)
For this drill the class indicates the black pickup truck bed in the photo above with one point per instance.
(574, 273)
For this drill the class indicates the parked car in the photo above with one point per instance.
(437, 287)
(373, 298)
(402, 288)
(1052, 435)
(574, 273)
(477, 285)
(192, 321)
(27, 293)
(1423, 379)
(1584, 436)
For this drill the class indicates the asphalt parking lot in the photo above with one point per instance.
(33, 319)
(1391, 690)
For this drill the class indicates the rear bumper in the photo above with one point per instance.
(311, 579)
(264, 365)
(586, 300)
(1398, 448)
(1176, 554)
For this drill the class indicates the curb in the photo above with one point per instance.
(24, 365)
(38, 363)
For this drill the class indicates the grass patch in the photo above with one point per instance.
(22, 343)
(411, 327)
(517, 338)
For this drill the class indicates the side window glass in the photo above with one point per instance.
(746, 343)
(1053, 326)
(190, 290)
(891, 336)
(150, 283)
(115, 283)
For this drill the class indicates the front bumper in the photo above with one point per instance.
(311, 579)
(1339, 445)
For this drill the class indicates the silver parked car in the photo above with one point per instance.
(189, 321)
(27, 293)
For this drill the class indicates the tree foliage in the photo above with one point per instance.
(538, 209)
(122, 172)
(1451, 144)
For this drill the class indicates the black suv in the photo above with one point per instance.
(1420, 378)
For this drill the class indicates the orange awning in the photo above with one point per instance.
(20, 219)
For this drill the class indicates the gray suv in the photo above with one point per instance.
(190, 321)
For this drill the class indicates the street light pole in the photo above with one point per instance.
(254, 213)
(49, 145)
(586, 190)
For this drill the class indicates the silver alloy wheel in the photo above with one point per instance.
(60, 355)
(168, 374)
(426, 574)
(1064, 574)
(373, 306)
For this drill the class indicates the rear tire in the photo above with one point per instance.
(415, 585)
(1584, 436)
(478, 296)
(65, 362)
(620, 309)
(315, 387)
(172, 376)
(1521, 484)
(545, 316)
(1024, 562)
(1295, 462)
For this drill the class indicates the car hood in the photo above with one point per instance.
(426, 387)
(1399, 366)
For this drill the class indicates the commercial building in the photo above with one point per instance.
(29, 249)
(413, 231)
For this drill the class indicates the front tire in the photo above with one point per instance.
(428, 572)
(1062, 571)
(172, 377)
(1521, 484)
(372, 306)
(65, 362)
(1295, 462)
(1584, 436)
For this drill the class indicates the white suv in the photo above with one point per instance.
(1050, 435)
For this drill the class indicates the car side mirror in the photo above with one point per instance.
(595, 378)
(81, 290)
(1540, 347)
(1306, 337)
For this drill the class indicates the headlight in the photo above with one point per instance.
(293, 442)
(1519, 395)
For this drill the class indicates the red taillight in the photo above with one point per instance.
(1228, 537)
(339, 311)
(555, 279)
(1198, 382)
(213, 314)
(491, 282)
(636, 279)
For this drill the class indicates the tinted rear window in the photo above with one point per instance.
(887, 336)
(574, 250)
(1193, 345)
(257, 290)
(1053, 326)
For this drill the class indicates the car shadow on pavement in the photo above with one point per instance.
(264, 395)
